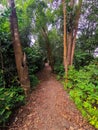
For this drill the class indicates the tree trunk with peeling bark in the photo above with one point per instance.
(20, 57)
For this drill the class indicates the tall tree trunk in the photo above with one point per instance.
(70, 37)
(76, 29)
(65, 39)
(20, 57)
(48, 47)
(69, 47)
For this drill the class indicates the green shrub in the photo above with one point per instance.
(59, 69)
(83, 88)
(10, 98)
(82, 59)
(34, 81)
(34, 57)
(35, 63)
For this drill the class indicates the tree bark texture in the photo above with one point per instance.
(20, 57)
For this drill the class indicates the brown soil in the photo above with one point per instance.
(49, 108)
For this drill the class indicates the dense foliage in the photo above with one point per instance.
(83, 88)
(87, 40)
(10, 98)
(11, 94)
(40, 25)
(35, 62)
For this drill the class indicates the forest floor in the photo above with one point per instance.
(49, 108)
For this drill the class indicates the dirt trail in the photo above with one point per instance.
(49, 108)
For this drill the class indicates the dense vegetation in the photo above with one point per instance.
(83, 89)
(40, 27)
(11, 94)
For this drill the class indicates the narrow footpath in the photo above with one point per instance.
(49, 108)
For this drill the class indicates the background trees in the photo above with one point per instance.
(87, 35)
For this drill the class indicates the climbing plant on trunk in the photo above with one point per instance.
(20, 57)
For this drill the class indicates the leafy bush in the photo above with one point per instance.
(35, 63)
(34, 81)
(83, 89)
(59, 70)
(34, 57)
(10, 98)
(82, 59)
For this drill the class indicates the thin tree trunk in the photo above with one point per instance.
(20, 58)
(65, 39)
(73, 47)
(69, 47)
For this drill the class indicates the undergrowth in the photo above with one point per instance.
(10, 98)
(83, 89)
(59, 70)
